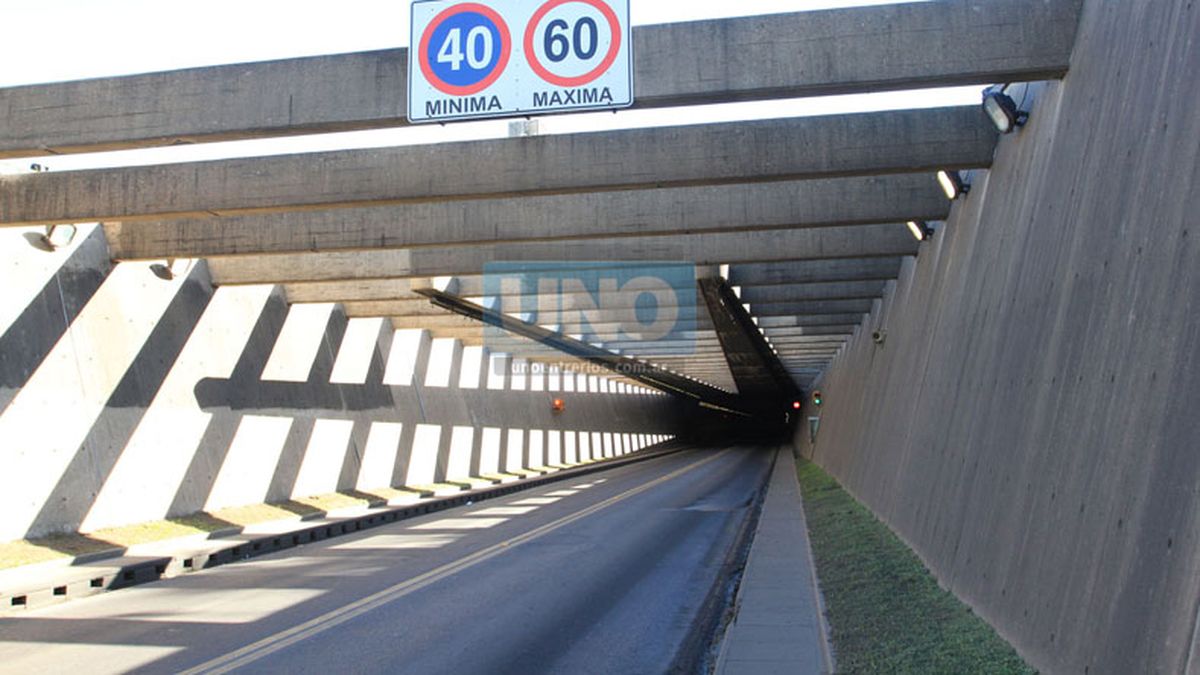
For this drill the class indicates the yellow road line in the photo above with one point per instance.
(283, 639)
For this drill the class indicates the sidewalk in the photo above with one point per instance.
(38, 585)
(779, 627)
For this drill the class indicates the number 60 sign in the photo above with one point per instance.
(497, 58)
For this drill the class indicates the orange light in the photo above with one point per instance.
(558, 405)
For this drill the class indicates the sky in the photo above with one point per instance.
(56, 40)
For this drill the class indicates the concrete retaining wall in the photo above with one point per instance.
(1029, 425)
(127, 397)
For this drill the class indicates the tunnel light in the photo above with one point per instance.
(920, 229)
(171, 268)
(952, 184)
(58, 236)
(1002, 110)
(796, 405)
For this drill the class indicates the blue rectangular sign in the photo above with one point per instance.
(633, 308)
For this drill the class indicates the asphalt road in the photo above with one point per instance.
(605, 573)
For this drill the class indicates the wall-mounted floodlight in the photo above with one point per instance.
(58, 236)
(1002, 110)
(952, 184)
(171, 268)
(920, 229)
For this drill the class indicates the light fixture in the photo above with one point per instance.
(920, 229)
(795, 405)
(58, 236)
(171, 268)
(952, 184)
(1002, 110)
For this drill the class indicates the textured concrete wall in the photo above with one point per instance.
(42, 293)
(1029, 425)
(128, 397)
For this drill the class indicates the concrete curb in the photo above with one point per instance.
(719, 606)
(781, 611)
(95, 573)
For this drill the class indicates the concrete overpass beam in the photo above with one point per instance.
(752, 58)
(813, 271)
(634, 213)
(709, 154)
(855, 241)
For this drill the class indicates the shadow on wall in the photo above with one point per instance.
(47, 315)
(192, 400)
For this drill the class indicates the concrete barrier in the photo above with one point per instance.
(140, 394)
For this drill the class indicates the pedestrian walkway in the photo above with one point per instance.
(779, 627)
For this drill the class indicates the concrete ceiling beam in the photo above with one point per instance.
(852, 241)
(705, 154)
(790, 273)
(846, 290)
(841, 51)
(623, 213)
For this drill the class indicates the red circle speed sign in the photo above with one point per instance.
(582, 53)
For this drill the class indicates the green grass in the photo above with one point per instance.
(886, 612)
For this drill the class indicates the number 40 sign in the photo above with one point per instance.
(497, 58)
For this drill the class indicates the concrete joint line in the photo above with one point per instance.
(283, 639)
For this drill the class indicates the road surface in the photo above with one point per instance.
(604, 573)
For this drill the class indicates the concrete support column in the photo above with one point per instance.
(152, 473)
(51, 416)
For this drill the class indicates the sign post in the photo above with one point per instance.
(504, 58)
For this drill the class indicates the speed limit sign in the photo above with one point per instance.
(498, 58)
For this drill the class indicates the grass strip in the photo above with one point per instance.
(886, 612)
